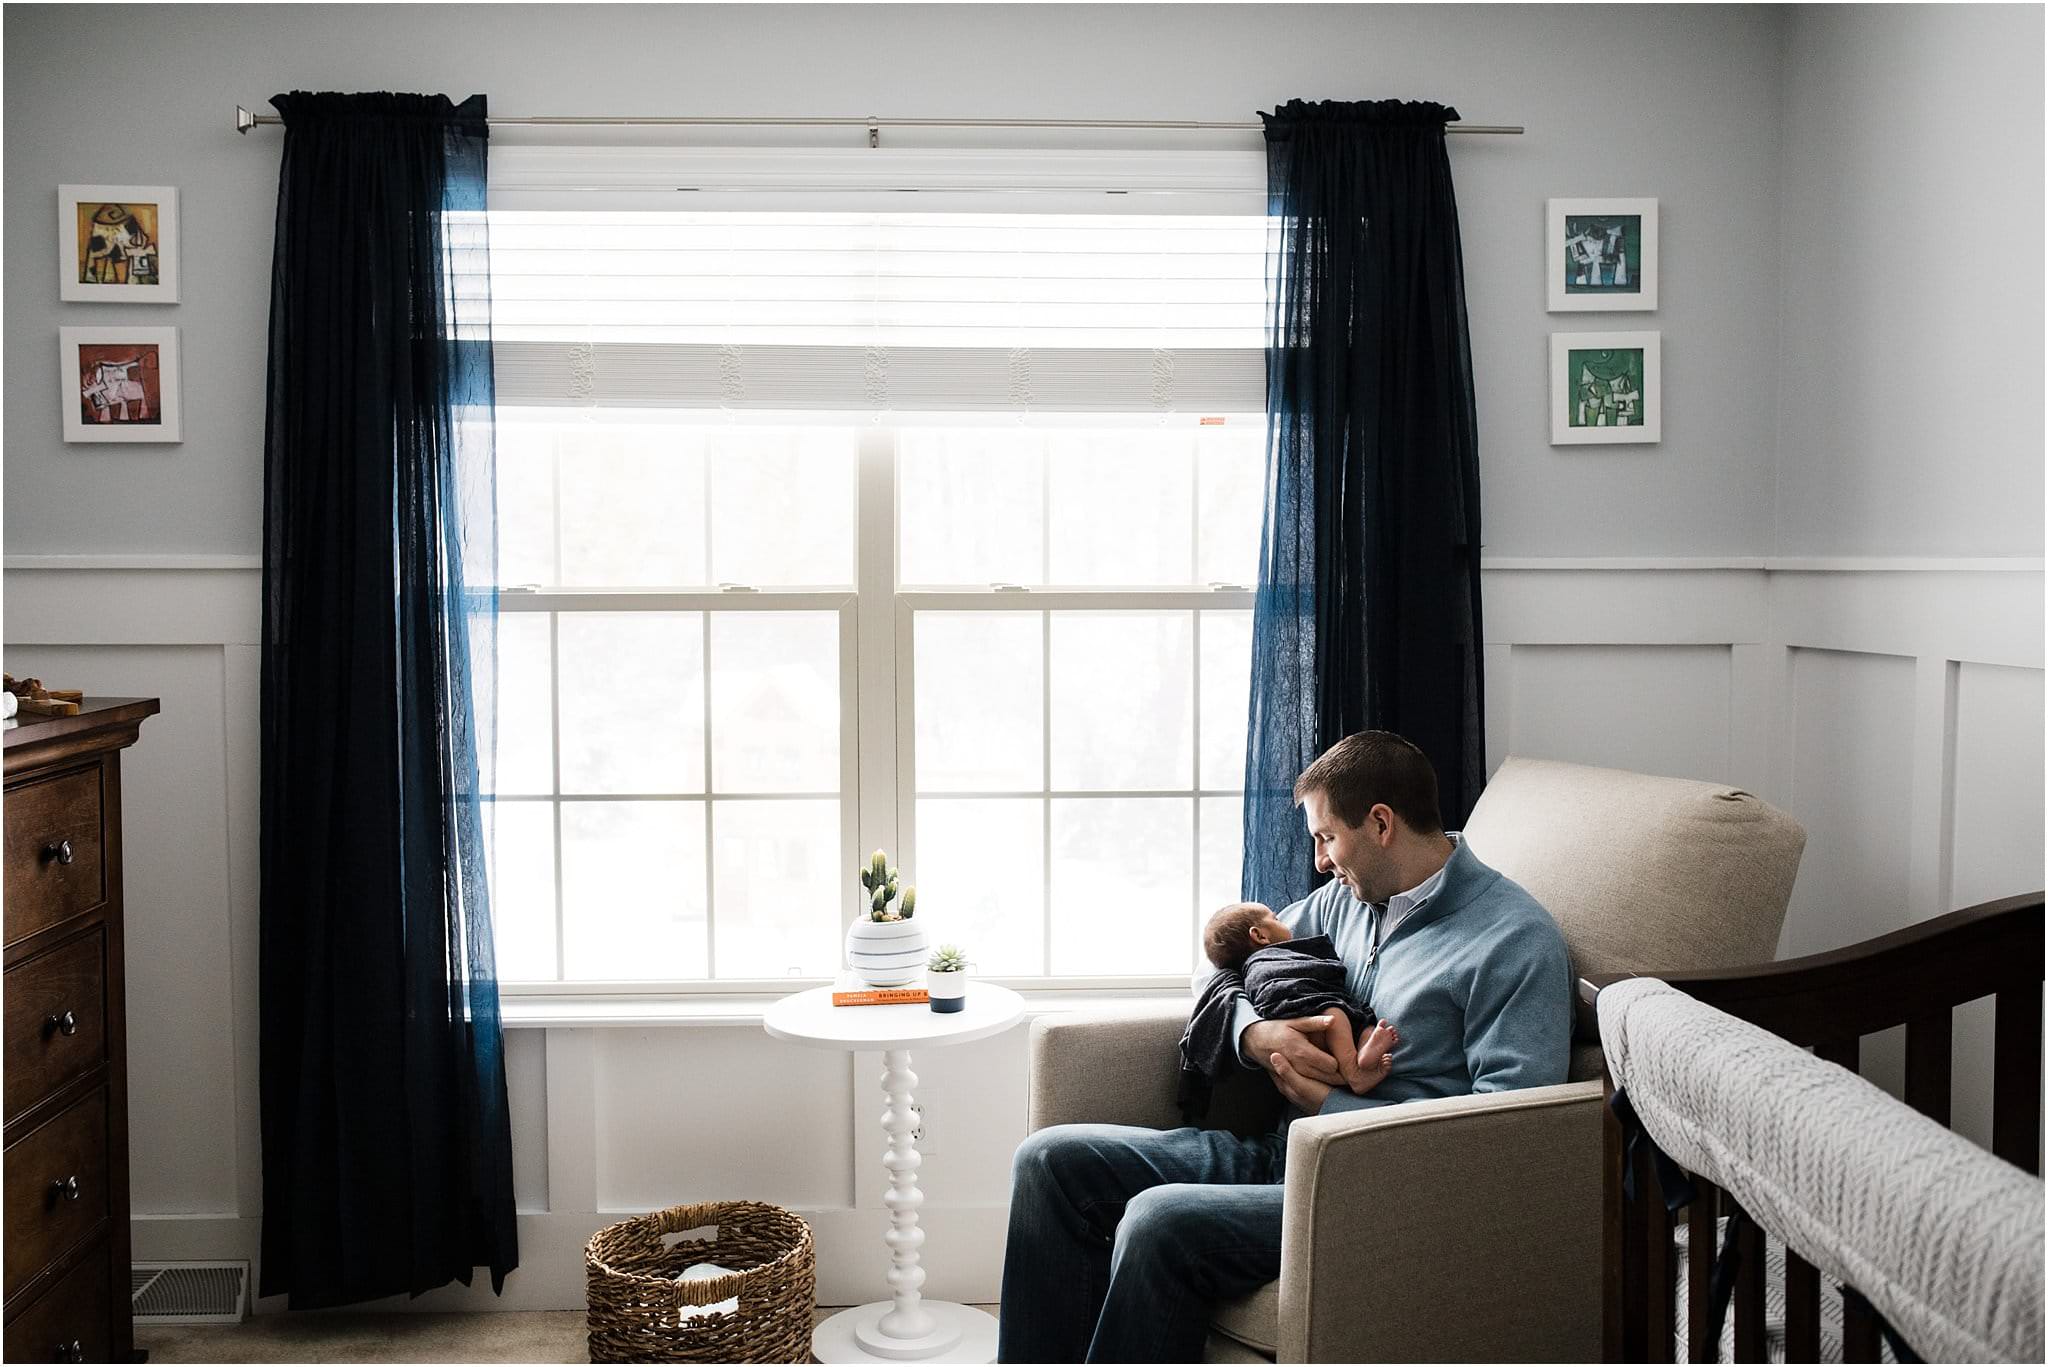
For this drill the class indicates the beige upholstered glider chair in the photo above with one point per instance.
(1468, 1229)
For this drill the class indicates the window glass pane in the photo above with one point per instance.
(782, 506)
(1220, 860)
(775, 702)
(972, 503)
(1231, 477)
(781, 901)
(526, 723)
(632, 505)
(980, 701)
(522, 846)
(526, 501)
(633, 891)
(1122, 873)
(980, 879)
(1226, 696)
(632, 718)
(1121, 506)
(1122, 700)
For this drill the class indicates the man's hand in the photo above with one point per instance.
(1299, 1043)
(1296, 1088)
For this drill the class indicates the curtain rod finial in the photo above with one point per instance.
(244, 121)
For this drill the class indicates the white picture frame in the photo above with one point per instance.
(1603, 255)
(107, 234)
(119, 384)
(1606, 402)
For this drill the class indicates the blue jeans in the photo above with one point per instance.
(1123, 1239)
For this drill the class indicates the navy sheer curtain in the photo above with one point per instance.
(1367, 612)
(387, 1159)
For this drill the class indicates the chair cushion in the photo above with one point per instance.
(1642, 873)
(1253, 1321)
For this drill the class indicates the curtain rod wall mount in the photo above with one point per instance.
(244, 121)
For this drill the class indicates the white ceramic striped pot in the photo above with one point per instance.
(886, 953)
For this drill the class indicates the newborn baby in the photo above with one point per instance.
(1285, 977)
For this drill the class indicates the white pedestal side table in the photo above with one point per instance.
(906, 1327)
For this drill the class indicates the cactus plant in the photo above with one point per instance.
(947, 959)
(879, 881)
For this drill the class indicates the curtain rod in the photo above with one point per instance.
(244, 121)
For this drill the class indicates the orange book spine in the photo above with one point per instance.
(881, 996)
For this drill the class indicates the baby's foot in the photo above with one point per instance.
(1375, 1057)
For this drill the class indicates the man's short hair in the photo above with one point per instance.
(1227, 939)
(1368, 768)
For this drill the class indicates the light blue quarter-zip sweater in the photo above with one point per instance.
(1476, 979)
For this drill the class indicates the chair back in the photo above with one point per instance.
(1642, 873)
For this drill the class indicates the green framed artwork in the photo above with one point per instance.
(1603, 255)
(1606, 388)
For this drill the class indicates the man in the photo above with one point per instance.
(1122, 1239)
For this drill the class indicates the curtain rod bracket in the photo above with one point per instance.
(874, 132)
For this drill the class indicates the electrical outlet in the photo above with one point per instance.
(921, 1127)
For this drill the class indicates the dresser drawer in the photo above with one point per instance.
(56, 1187)
(56, 856)
(69, 1322)
(56, 1018)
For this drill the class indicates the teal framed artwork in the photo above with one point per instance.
(1606, 388)
(1603, 255)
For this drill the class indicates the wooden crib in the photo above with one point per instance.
(1826, 1002)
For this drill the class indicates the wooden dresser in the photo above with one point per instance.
(66, 1087)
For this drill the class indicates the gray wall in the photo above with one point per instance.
(1679, 102)
(1910, 395)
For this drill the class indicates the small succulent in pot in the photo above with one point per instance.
(945, 979)
(878, 878)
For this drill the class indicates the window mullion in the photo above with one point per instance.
(878, 795)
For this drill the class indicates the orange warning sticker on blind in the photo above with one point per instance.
(1212, 422)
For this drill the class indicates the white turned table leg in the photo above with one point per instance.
(908, 1328)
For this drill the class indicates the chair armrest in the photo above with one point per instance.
(1107, 1069)
(1461, 1229)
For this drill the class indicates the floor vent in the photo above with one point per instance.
(190, 1293)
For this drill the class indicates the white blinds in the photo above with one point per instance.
(876, 311)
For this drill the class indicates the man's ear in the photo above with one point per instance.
(1382, 825)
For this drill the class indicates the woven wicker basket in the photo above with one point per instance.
(641, 1312)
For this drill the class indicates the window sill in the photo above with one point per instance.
(561, 1013)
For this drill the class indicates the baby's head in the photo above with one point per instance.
(1240, 928)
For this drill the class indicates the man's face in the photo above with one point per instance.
(1351, 854)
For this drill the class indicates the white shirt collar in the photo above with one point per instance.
(1402, 903)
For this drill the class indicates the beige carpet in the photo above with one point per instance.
(508, 1336)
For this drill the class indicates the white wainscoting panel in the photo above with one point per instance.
(1656, 709)
(715, 1115)
(1852, 716)
(526, 1086)
(182, 1081)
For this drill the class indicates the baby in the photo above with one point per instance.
(1285, 977)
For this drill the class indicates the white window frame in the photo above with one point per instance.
(877, 684)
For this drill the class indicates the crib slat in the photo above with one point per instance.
(1802, 1309)
(1859, 1330)
(1635, 1257)
(1662, 1324)
(1930, 1041)
(2016, 1079)
(1749, 1296)
(1699, 1273)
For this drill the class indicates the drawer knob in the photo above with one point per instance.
(65, 1023)
(65, 1189)
(73, 1351)
(59, 853)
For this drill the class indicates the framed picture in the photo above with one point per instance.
(1606, 388)
(1603, 255)
(117, 244)
(119, 384)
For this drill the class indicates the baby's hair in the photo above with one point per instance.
(1227, 939)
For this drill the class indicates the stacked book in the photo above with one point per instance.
(848, 990)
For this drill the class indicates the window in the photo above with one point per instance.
(827, 531)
